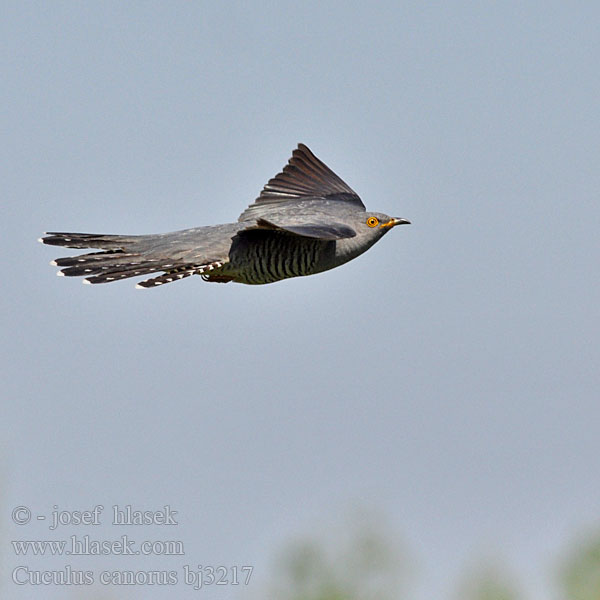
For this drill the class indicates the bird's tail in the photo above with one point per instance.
(119, 257)
(89, 240)
(123, 256)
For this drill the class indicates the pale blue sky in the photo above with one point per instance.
(448, 378)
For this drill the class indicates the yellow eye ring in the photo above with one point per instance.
(372, 221)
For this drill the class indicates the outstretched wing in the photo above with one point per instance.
(305, 177)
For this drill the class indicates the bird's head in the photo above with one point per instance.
(372, 225)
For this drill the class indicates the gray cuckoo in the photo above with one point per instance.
(305, 221)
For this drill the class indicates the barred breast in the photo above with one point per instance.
(260, 256)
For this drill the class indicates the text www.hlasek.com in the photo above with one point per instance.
(85, 546)
(197, 578)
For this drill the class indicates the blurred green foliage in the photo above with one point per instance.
(488, 583)
(359, 562)
(363, 562)
(580, 574)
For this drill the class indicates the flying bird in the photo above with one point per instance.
(305, 221)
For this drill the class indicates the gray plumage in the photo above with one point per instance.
(305, 221)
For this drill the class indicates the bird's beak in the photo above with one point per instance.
(394, 222)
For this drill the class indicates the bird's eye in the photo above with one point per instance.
(372, 221)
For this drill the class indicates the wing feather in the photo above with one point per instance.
(321, 231)
(305, 177)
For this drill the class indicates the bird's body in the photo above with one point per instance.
(306, 220)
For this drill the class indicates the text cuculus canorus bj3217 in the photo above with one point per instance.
(305, 221)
